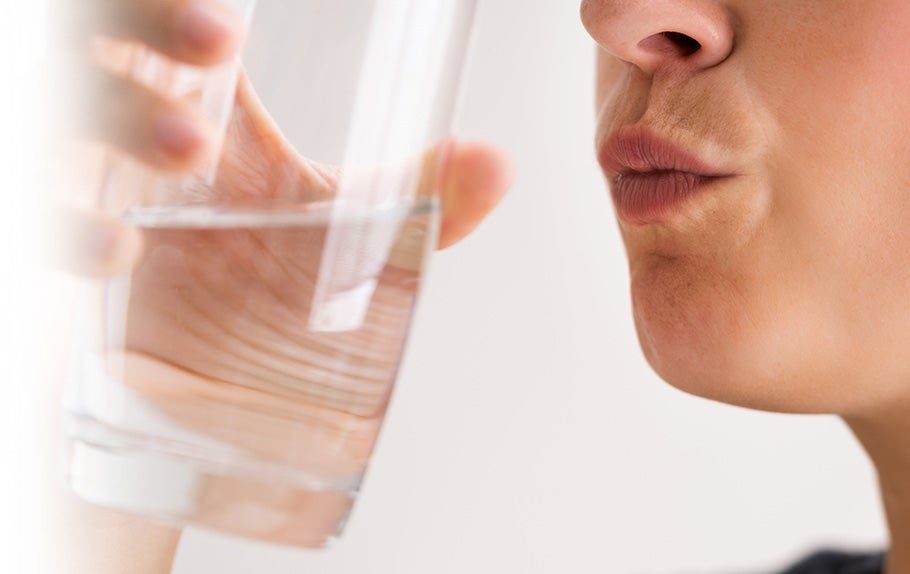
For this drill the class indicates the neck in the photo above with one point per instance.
(886, 438)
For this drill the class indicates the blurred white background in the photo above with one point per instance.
(28, 296)
(527, 434)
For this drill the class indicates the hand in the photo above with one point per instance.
(217, 334)
(169, 136)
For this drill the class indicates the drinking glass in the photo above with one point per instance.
(237, 377)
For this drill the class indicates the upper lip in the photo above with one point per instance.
(632, 151)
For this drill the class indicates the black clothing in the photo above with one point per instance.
(830, 562)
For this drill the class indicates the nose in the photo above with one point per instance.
(651, 34)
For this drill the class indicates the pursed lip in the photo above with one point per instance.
(650, 176)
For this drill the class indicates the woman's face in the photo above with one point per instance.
(772, 268)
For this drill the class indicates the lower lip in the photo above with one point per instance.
(644, 198)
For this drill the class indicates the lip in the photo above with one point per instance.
(652, 177)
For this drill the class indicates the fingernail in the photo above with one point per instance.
(205, 27)
(177, 135)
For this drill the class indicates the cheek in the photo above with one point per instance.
(841, 185)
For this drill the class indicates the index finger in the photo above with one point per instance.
(198, 32)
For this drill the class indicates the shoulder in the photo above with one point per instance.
(832, 562)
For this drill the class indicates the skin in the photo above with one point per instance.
(787, 286)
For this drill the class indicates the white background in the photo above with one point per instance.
(527, 433)
(25, 292)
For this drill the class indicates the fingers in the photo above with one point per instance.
(95, 246)
(199, 32)
(479, 177)
(133, 118)
(164, 134)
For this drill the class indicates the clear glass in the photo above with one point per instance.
(238, 377)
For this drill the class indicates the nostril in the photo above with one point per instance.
(687, 45)
(671, 43)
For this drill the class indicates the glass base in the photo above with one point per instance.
(181, 491)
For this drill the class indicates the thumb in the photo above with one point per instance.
(478, 178)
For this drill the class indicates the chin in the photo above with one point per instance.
(709, 335)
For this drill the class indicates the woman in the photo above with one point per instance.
(755, 154)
